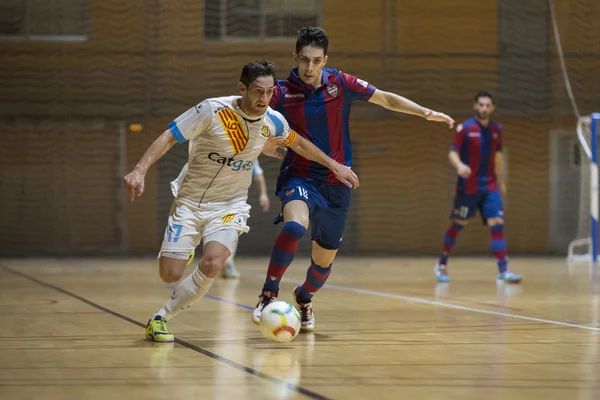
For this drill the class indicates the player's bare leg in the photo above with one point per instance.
(498, 246)
(190, 289)
(295, 217)
(171, 270)
(441, 268)
(316, 276)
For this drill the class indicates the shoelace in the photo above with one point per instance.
(161, 325)
(265, 301)
(305, 313)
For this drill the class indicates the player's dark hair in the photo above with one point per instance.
(257, 69)
(483, 93)
(312, 36)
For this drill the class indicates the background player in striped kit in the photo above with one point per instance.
(476, 154)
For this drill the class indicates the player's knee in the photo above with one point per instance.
(322, 256)
(300, 219)
(323, 262)
(211, 264)
(495, 221)
(460, 221)
(171, 270)
(297, 211)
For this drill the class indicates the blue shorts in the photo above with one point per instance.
(328, 206)
(489, 205)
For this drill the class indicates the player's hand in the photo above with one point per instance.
(503, 189)
(440, 117)
(272, 145)
(264, 202)
(463, 170)
(134, 182)
(346, 176)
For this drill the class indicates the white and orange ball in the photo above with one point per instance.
(279, 322)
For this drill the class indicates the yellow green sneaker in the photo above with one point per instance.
(157, 331)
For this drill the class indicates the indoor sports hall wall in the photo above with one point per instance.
(65, 109)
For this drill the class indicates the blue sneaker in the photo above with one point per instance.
(441, 273)
(509, 277)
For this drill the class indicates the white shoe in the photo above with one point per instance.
(264, 300)
(441, 273)
(307, 318)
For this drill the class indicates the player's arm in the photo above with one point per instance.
(311, 152)
(185, 127)
(134, 181)
(461, 168)
(262, 184)
(499, 167)
(263, 198)
(258, 176)
(394, 102)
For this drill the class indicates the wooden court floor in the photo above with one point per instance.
(73, 329)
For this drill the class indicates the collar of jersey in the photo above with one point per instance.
(476, 121)
(242, 114)
(296, 79)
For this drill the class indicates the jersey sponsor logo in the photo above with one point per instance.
(265, 131)
(333, 90)
(231, 125)
(362, 83)
(236, 165)
(474, 134)
(294, 95)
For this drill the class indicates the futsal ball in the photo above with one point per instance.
(279, 322)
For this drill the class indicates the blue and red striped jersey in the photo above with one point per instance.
(477, 146)
(321, 115)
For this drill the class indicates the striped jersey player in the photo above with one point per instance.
(317, 103)
(476, 154)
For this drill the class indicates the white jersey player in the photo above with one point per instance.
(226, 136)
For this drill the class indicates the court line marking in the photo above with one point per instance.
(438, 303)
(214, 356)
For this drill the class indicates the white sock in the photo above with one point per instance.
(229, 260)
(189, 290)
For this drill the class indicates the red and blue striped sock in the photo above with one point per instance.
(316, 277)
(449, 241)
(283, 254)
(498, 245)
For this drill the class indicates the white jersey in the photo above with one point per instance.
(225, 143)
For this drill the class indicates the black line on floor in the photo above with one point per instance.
(231, 363)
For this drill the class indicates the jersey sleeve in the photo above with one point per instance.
(500, 138)
(192, 122)
(357, 88)
(257, 170)
(459, 138)
(276, 102)
(282, 128)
